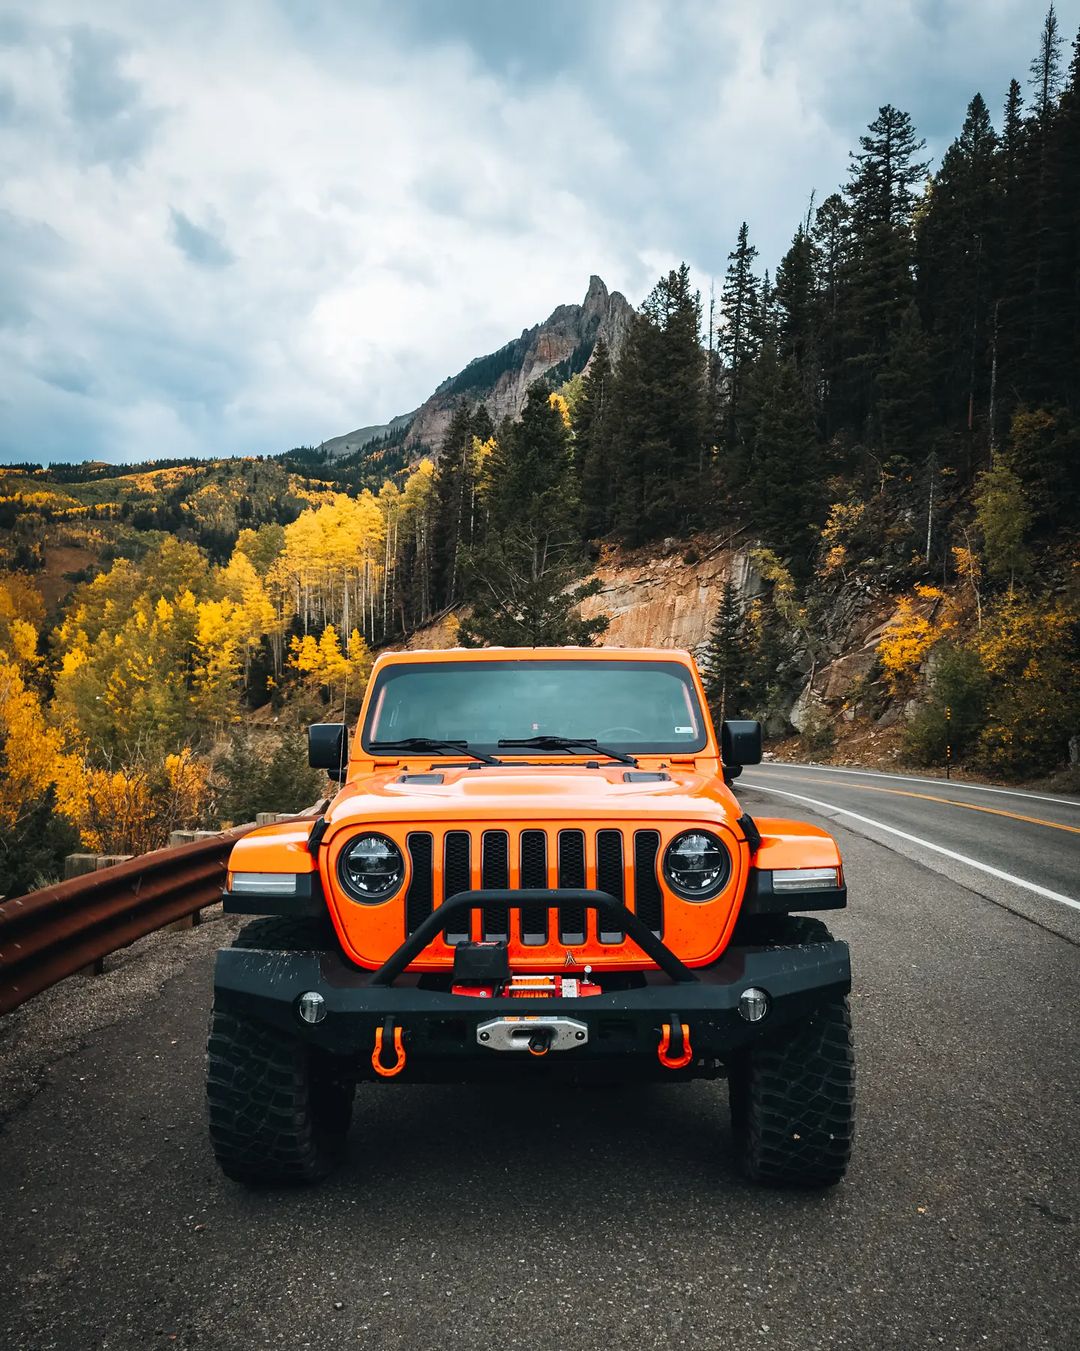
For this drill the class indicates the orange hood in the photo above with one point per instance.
(521, 792)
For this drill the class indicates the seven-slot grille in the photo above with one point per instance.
(562, 858)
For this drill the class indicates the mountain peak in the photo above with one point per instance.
(556, 349)
(596, 297)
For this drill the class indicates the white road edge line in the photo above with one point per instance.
(915, 778)
(926, 844)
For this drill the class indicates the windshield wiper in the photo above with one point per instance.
(568, 743)
(427, 743)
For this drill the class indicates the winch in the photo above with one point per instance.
(482, 970)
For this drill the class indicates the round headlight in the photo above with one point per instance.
(371, 868)
(696, 865)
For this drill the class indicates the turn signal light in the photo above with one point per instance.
(265, 884)
(806, 879)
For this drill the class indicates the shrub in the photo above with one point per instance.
(1028, 647)
(818, 737)
(956, 710)
(267, 774)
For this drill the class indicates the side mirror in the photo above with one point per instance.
(740, 742)
(328, 748)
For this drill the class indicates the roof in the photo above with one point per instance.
(421, 655)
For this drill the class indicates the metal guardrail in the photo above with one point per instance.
(50, 934)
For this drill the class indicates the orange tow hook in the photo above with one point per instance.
(382, 1038)
(674, 1050)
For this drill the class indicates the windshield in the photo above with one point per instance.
(646, 707)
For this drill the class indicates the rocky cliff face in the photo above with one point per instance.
(559, 347)
(656, 598)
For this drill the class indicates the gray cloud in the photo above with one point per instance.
(203, 247)
(112, 122)
(240, 228)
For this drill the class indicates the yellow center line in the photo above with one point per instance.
(949, 802)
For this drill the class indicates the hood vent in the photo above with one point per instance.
(646, 776)
(420, 778)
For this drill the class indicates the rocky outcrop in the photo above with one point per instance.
(667, 597)
(560, 346)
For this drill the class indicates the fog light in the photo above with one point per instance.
(753, 1004)
(312, 1007)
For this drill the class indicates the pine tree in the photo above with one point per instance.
(831, 236)
(959, 246)
(659, 414)
(1056, 374)
(796, 301)
(593, 426)
(740, 300)
(452, 489)
(1066, 164)
(1045, 68)
(728, 658)
(526, 582)
(905, 407)
(785, 469)
(1037, 306)
(881, 196)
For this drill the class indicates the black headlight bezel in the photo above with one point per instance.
(697, 896)
(348, 887)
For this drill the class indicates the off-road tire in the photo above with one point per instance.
(793, 1102)
(279, 1109)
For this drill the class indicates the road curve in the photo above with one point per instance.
(480, 1219)
(1016, 847)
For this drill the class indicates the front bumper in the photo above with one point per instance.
(439, 1030)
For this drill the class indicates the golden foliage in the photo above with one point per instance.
(837, 534)
(323, 665)
(912, 632)
(34, 752)
(1030, 650)
(556, 400)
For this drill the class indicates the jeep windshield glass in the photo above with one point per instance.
(636, 707)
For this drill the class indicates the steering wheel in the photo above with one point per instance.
(614, 731)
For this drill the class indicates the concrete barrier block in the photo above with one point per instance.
(77, 865)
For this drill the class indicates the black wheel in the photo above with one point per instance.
(793, 1102)
(279, 1109)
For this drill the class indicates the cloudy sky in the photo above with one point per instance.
(235, 228)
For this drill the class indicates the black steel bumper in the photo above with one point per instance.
(624, 1027)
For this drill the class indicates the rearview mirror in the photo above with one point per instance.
(328, 748)
(740, 742)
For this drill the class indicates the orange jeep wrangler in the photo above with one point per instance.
(535, 868)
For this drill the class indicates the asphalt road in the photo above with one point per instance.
(1019, 848)
(612, 1219)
